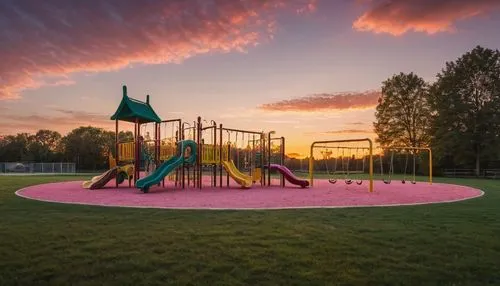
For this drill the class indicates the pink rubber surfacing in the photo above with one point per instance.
(322, 195)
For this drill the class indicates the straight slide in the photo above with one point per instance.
(168, 166)
(98, 182)
(289, 176)
(243, 180)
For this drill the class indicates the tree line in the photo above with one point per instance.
(457, 115)
(86, 146)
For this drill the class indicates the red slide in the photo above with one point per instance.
(289, 175)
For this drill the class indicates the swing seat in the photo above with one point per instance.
(387, 182)
(359, 182)
(332, 181)
(413, 182)
(348, 181)
(403, 181)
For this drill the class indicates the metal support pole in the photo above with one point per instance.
(221, 157)
(282, 160)
(269, 157)
(214, 124)
(183, 170)
(137, 151)
(117, 148)
(371, 165)
(430, 166)
(229, 158)
(200, 169)
(262, 159)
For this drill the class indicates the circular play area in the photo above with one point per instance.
(322, 195)
(204, 165)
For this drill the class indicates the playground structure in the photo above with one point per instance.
(158, 150)
(185, 152)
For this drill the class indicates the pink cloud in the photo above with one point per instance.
(397, 17)
(53, 39)
(326, 101)
(343, 132)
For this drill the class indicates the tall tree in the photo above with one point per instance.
(15, 148)
(44, 145)
(466, 106)
(403, 113)
(48, 139)
(87, 147)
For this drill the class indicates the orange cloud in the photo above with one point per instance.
(45, 41)
(325, 101)
(397, 17)
(349, 131)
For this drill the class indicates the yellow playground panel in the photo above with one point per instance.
(350, 153)
(126, 151)
(112, 161)
(210, 154)
(167, 151)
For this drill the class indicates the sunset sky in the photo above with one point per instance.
(309, 69)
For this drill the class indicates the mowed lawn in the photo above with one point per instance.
(55, 244)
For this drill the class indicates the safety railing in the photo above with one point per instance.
(167, 151)
(211, 154)
(126, 151)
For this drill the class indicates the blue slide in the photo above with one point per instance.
(171, 164)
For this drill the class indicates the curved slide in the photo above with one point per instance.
(244, 180)
(100, 181)
(289, 176)
(168, 166)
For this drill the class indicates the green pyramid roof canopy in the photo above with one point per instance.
(131, 109)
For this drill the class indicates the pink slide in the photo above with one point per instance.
(289, 176)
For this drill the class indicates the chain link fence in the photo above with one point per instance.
(37, 168)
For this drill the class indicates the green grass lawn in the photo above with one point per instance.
(56, 244)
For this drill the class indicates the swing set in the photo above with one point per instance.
(358, 156)
(407, 151)
(346, 154)
(350, 157)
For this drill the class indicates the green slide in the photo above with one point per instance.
(183, 156)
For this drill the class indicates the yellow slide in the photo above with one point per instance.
(99, 182)
(108, 175)
(244, 180)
